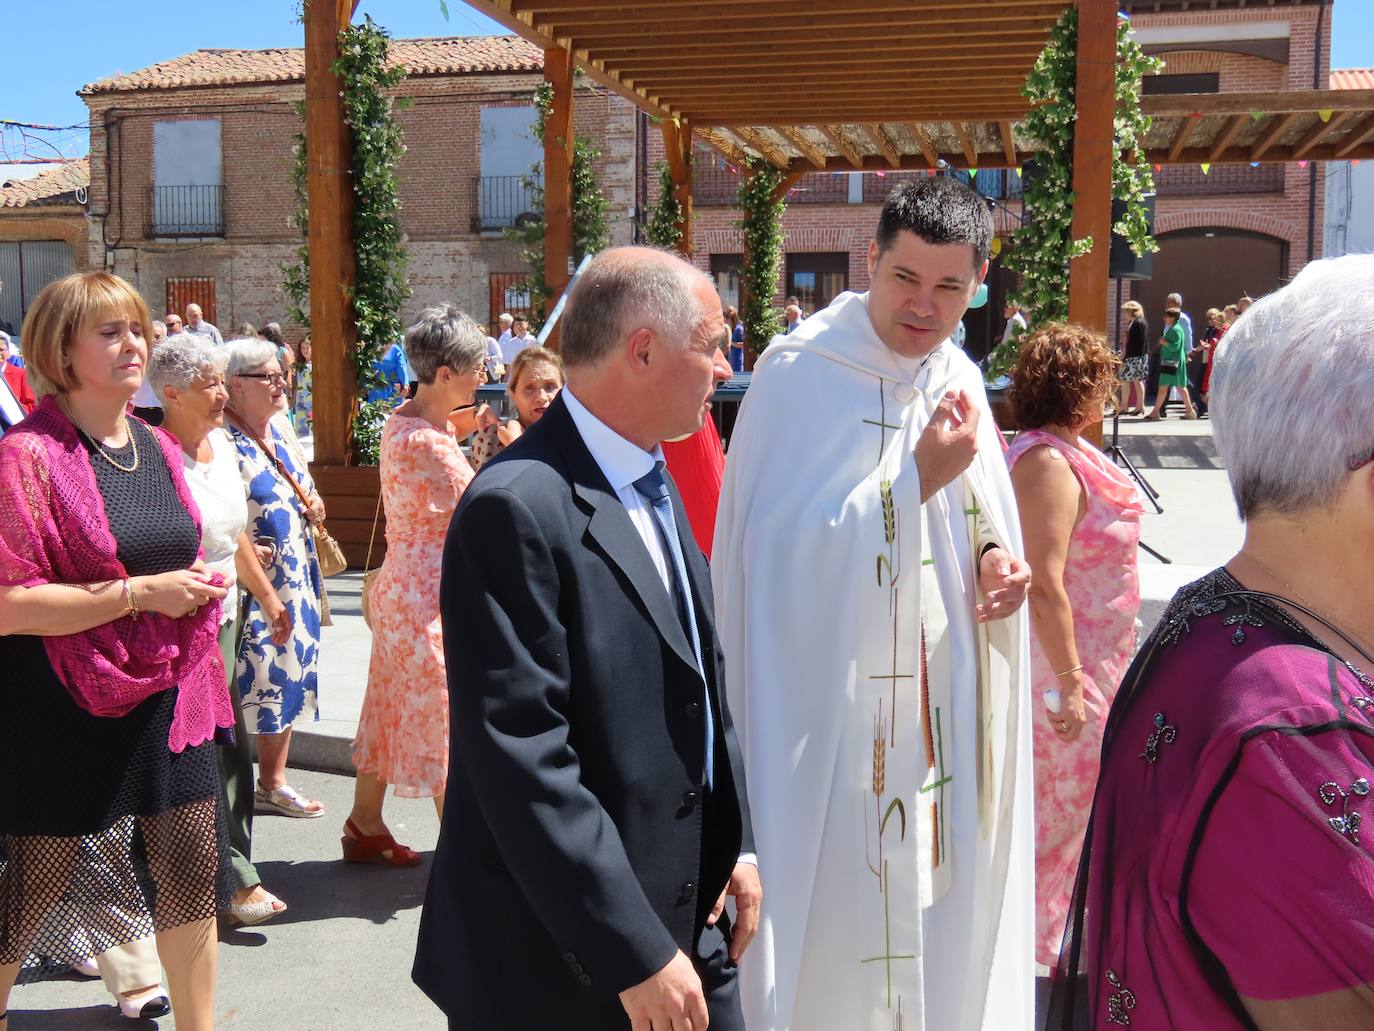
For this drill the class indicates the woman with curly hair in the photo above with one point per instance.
(1080, 517)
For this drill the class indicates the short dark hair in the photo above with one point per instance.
(938, 209)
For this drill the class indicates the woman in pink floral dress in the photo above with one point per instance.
(403, 730)
(1080, 517)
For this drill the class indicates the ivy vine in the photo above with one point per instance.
(665, 217)
(380, 285)
(589, 205)
(761, 228)
(1043, 246)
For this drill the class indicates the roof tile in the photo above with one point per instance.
(47, 186)
(1352, 78)
(437, 56)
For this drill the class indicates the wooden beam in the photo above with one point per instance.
(1314, 135)
(762, 146)
(1275, 156)
(744, 18)
(843, 57)
(723, 143)
(1229, 131)
(846, 149)
(876, 30)
(923, 143)
(907, 162)
(1181, 137)
(686, 75)
(1269, 103)
(1273, 135)
(1360, 134)
(329, 197)
(1094, 145)
(635, 47)
(805, 147)
(677, 143)
(905, 20)
(923, 94)
(558, 159)
(784, 187)
(1008, 143)
(1004, 8)
(884, 145)
(965, 144)
(790, 111)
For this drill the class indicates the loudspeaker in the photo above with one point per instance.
(1124, 263)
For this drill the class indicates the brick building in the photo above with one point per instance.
(201, 211)
(43, 235)
(191, 159)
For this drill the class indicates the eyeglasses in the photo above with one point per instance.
(271, 377)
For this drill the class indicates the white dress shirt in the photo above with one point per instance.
(623, 462)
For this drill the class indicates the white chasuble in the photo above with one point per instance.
(889, 785)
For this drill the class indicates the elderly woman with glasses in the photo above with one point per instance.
(187, 378)
(403, 729)
(276, 682)
(1227, 881)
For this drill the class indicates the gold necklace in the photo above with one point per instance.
(99, 447)
(1355, 638)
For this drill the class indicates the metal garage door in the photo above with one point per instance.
(25, 268)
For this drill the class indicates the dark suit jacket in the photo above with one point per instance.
(580, 848)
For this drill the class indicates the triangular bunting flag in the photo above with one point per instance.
(973, 173)
(1206, 168)
(1324, 114)
(1257, 115)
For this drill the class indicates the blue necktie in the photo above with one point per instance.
(654, 490)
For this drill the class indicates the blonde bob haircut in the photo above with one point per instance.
(1134, 309)
(65, 309)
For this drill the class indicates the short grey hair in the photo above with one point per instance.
(1291, 388)
(624, 289)
(159, 324)
(1176, 298)
(246, 354)
(441, 336)
(177, 363)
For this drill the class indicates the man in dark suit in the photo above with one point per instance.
(596, 815)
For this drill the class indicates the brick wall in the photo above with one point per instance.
(448, 262)
(65, 222)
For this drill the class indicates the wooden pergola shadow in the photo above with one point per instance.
(881, 84)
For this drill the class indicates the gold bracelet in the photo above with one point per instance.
(129, 598)
(1068, 671)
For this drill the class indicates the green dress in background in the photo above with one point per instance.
(1174, 349)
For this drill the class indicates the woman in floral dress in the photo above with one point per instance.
(403, 729)
(1080, 518)
(277, 683)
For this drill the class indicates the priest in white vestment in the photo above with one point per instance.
(868, 591)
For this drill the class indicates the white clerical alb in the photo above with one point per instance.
(889, 777)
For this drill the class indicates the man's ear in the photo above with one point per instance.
(873, 255)
(638, 346)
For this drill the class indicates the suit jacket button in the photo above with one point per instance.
(689, 891)
(584, 981)
(689, 800)
(693, 709)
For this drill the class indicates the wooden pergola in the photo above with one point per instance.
(815, 85)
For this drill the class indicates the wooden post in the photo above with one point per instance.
(677, 142)
(329, 192)
(558, 159)
(1093, 152)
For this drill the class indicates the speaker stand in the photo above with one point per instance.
(1146, 487)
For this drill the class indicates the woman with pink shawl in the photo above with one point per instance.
(109, 824)
(1228, 881)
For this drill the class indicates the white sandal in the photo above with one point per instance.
(250, 914)
(285, 801)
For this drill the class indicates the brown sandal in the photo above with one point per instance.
(373, 848)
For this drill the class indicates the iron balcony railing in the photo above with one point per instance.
(185, 211)
(502, 201)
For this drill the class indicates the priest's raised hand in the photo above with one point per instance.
(948, 444)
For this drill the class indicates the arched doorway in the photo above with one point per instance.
(1210, 268)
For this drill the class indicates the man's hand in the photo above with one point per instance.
(671, 1000)
(948, 444)
(744, 885)
(1004, 580)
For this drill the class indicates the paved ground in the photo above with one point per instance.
(339, 960)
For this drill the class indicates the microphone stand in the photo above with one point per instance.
(1145, 486)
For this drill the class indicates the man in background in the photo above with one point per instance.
(197, 326)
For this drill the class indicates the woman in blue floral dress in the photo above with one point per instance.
(277, 683)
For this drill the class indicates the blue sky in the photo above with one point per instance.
(46, 59)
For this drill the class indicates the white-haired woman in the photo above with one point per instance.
(403, 729)
(187, 377)
(1228, 880)
(276, 682)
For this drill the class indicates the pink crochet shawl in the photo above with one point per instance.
(53, 529)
